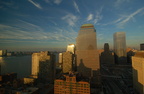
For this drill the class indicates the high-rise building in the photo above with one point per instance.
(4, 52)
(69, 85)
(60, 60)
(120, 47)
(60, 57)
(71, 48)
(107, 57)
(142, 46)
(87, 57)
(1, 52)
(138, 71)
(67, 59)
(35, 64)
(43, 66)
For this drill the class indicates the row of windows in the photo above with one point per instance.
(73, 91)
(61, 83)
(71, 86)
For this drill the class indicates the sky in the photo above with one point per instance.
(53, 24)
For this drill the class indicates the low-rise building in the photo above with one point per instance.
(70, 85)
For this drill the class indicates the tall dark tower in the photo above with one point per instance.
(106, 47)
(106, 57)
(86, 51)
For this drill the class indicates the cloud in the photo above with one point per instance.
(100, 37)
(114, 22)
(53, 1)
(90, 17)
(8, 4)
(47, 1)
(120, 2)
(76, 6)
(98, 16)
(35, 33)
(128, 18)
(57, 1)
(12, 32)
(120, 22)
(35, 4)
(70, 19)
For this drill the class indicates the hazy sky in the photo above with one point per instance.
(53, 24)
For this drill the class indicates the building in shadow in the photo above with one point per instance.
(142, 46)
(107, 57)
(138, 71)
(130, 52)
(87, 56)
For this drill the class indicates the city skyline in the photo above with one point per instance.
(53, 24)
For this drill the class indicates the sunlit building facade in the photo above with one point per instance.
(1, 52)
(67, 59)
(120, 47)
(87, 56)
(35, 64)
(71, 86)
(138, 71)
(71, 48)
(60, 57)
(43, 66)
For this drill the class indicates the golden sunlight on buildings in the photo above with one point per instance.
(69, 85)
(138, 71)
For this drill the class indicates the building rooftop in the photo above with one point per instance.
(139, 54)
(78, 77)
(87, 25)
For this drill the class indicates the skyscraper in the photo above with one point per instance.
(43, 66)
(71, 48)
(106, 57)
(1, 52)
(35, 64)
(87, 56)
(67, 59)
(60, 58)
(120, 47)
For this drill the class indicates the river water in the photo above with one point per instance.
(18, 64)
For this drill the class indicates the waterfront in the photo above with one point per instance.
(18, 64)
